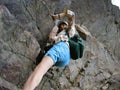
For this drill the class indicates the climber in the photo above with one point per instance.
(59, 54)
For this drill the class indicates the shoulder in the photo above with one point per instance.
(55, 28)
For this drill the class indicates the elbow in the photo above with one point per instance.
(52, 38)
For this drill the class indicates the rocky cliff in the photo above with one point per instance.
(24, 29)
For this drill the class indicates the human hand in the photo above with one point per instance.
(70, 13)
(54, 17)
(61, 38)
(64, 38)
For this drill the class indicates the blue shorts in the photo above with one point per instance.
(60, 54)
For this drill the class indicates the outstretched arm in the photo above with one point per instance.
(66, 13)
(53, 33)
(71, 18)
(71, 22)
(57, 38)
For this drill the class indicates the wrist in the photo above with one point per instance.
(58, 15)
(70, 13)
(57, 39)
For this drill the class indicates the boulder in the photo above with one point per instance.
(18, 50)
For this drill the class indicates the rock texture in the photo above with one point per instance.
(24, 29)
(18, 51)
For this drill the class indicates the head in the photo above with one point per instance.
(62, 25)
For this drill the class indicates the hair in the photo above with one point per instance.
(62, 22)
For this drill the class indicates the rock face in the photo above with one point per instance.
(18, 51)
(24, 29)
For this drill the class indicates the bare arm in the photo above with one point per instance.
(71, 23)
(71, 18)
(66, 13)
(53, 33)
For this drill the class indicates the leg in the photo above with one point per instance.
(38, 73)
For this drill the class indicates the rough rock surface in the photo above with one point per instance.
(24, 29)
(18, 51)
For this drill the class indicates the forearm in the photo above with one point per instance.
(66, 13)
(53, 33)
(59, 16)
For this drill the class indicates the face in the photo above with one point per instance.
(63, 26)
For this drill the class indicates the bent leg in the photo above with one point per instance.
(38, 73)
